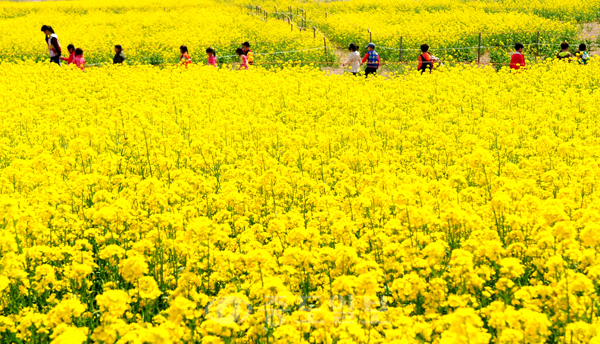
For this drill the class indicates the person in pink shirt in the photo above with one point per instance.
(212, 59)
(78, 60)
(243, 58)
(71, 49)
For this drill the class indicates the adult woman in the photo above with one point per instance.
(53, 44)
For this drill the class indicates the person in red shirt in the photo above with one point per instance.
(518, 59)
(71, 49)
(185, 58)
(425, 59)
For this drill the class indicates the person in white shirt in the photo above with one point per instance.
(53, 44)
(353, 59)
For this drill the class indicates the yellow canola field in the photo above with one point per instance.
(147, 205)
(450, 27)
(452, 35)
(580, 11)
(150, 31)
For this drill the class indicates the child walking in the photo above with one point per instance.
(353, 59)
(517, 59)
(372, 59)
(185, 58)
(583, 55)
(564, 52)
(249, 54)
(119, 55)
(243, 58)
(78, 60)
(212, 59)
(425, 59)
(71, 49)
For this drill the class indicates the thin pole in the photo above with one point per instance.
(479, 50)
(370, 36)
(400, 58)
(314, 32)
(325, 45)
(537, 46)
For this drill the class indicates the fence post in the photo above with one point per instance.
(325, 45)
(400, 57)
(370, 36)
(325, 15)
(537, 46)
(314, 32)
(479, 50)
(304, 19)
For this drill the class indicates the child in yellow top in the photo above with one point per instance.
(248, 52)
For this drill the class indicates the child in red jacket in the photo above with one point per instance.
(71, 49)
(518, 59)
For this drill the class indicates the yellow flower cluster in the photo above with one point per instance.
(148, 205)
(150, 31)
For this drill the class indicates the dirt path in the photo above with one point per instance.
(590, 33)
(341, 57)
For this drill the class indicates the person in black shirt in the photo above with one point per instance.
(119, 56)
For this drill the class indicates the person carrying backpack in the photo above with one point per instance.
(119, 55)
(425, 59)
(564, 53)
(372, 60)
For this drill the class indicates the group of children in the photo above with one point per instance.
(518, 58)
(371, 58)
(245, 54)
(75, 54)
(426, 61)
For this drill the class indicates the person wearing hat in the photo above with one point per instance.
(52, 43)
(372, 60)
